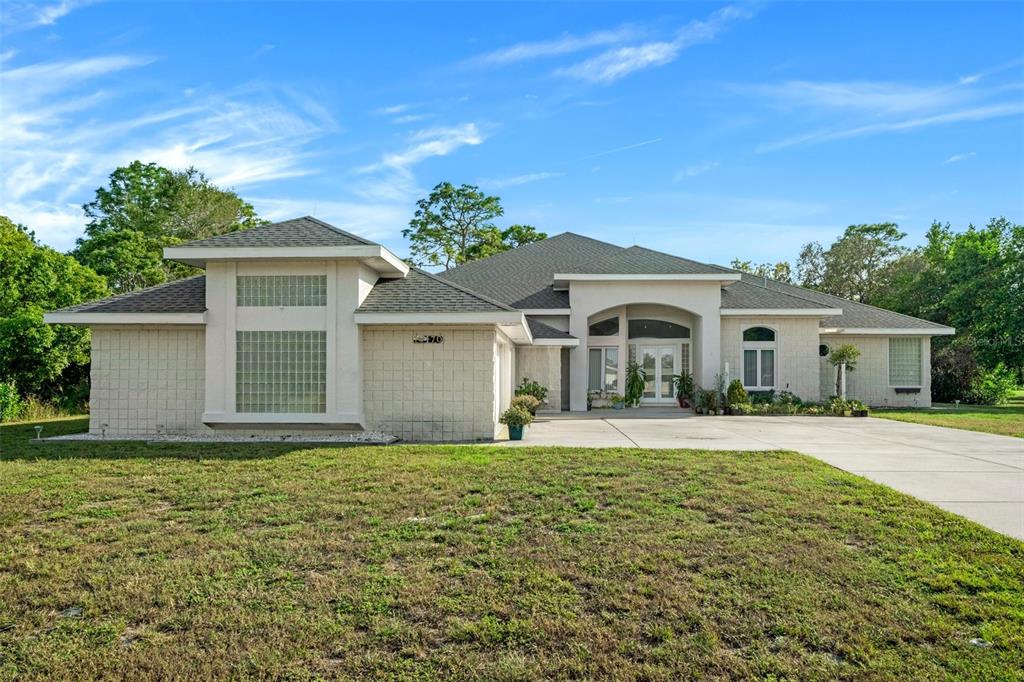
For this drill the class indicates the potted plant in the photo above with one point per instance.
(711, 402)
(635, 379)
(684, 389)
(858, 408)
(528, 402)
(516, 418)
(530, 387)
(698, 400)
(618, 401)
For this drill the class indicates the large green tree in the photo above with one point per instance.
(145, 207)
(48, 361)
(853, 266)
(453, 225)
(780, 272)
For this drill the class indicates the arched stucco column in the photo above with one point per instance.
(701, 298)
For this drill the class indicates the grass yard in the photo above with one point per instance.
(1006, 420)
(127, 561)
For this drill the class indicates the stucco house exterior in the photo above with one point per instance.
(298, 325)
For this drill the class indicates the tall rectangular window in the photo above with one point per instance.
(281, 371)
(603, 369)
(281, 290)
(904, 362)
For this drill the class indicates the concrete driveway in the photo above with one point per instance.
(977, 475)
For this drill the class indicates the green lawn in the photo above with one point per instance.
(127, 561)
(1007, 420)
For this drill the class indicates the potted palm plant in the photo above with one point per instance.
(516, 418)
(635, 379)
(684, 389)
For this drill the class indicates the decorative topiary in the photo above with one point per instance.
(527, 402)
(737, 395)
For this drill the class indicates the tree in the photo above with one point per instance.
(453, 225)
(852, 266)
(780, 272)
(145, 207)
(44, 360)
(844, 359)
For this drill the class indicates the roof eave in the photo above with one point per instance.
(377, 257)
(782, 312)
(890, 331)
(511, 322)
(561, 277)
(90, 319)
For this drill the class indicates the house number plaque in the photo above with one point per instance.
(428, 338)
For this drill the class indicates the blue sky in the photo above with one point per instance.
(711, 131)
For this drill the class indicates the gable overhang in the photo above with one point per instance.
(889, 331)
(564, 343)
(782, 312)
(512, 323)
(86, 319)
(374, 256)
(562, 279)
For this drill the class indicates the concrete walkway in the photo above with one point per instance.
(977, 475)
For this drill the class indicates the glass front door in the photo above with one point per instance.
(659, 364)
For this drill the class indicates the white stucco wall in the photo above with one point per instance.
(544, 365)
(796, 338)
(870, 381)
(146, 381)
(430, 392)
(701, 299)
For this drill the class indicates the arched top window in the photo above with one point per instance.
(657, 329)
(758, 334)
(608, 327)
(759, 359)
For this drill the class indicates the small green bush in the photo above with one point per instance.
(530, 387)
(11, 404)
(737, 395)
(516, 416)
(527, 402)
(993, 387)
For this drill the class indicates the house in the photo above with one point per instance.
(299, 325)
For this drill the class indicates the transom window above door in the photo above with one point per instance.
(607, 327)
(657, 329)
(759, 358)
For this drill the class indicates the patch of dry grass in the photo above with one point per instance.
(210, 561)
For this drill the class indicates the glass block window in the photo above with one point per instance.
(904, 362)
(281, 371)
(282, 290)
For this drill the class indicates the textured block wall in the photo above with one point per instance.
(146, 381)
(426, 391)
(543, 364)
(870, 381)
(796, 338)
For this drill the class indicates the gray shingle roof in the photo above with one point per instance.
(855, 315)
(298, 232)
(422, 292)
(744, 294)
(523, 277)
(180, 296)
(543, 331)
(637, 260)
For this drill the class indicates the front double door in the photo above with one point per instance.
(659, 364)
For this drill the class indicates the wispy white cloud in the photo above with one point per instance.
(58, 144)
(370, 220)
(501, 183)
(619, 62)
(616, 150)
(863, 96)
(565, 44)
(392, 110)
(409, 118)
(392, 177)
(19, 15)
(905, 125)
(693, 170)
(956, 158)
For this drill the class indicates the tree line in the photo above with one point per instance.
(972, 280)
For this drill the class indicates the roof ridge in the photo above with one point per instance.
(464, 290)
(531, 247)
(682, 258)
(322, 223)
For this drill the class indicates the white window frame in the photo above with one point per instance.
(604, 363)
(888, 361)
(759, 346)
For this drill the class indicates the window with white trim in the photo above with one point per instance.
(603, 369)
(905, 362)
(281, 371)
(759, 358)
(281, 290)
